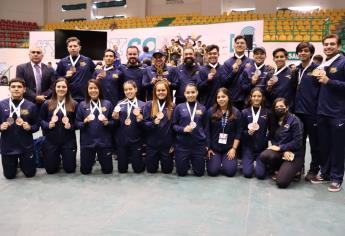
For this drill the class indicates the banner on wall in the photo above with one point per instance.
(220, 34)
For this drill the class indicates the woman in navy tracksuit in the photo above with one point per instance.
(57, 118)
(94, 121)
(254, 135)
(128, 123)
(159, 134)
(223, 136)
(286, 153)
(189, 123)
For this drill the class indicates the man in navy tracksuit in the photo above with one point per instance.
(111, 78)
(212, 77)
(331, 115)
(76, 68)
(281, 82)
(234, 67)
(307, 95)
(158, 71)
(18, 120)
(186, 73)
(133, 70)
(256, 75)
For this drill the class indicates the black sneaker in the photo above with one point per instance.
(310, 175)
(334, 187)
(297, 177)
(274, 176)
(319, 180)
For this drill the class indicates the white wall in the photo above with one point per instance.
(23, 10)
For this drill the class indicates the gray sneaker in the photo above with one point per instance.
(334, 187)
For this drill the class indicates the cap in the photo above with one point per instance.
(262, 49)
(158, 52)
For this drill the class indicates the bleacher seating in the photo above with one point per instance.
(14, 34)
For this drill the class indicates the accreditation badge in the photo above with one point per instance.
(223, 138)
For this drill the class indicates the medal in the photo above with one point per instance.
(238, 61)
(55, 118)
(257, 73)
(160, 115)
(65, 120)
(253, 126)
(192, 125)
(274, 78)
(19, 121)
(10, 120)
(13, 109)
(136, 111)
(117, 109)
(276, 73)
(73, 68)
(91, 116)
(101, 117)
(318, 73)
(128, 121)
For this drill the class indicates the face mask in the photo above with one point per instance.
(279, 112)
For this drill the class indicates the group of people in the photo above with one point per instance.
(193, 117)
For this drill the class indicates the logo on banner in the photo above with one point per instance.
(248, 30)
(48, 47)
(292, 56)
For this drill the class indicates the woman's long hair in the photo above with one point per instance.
(217, 113)
(168, 100)
(69, 102)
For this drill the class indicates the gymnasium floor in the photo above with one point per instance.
(146, 204)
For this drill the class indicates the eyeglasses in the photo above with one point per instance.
(35, 52)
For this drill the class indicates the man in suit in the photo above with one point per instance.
(38, 77)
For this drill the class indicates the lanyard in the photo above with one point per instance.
(239, 57)
(130, 105)
(279, 71)
(225, 120)
(160, 108)
(15, 109)
(258, 67)
(95, 106)
(213, 66)
(329, 62)
(256, 116)
(74, 62)
(61, 107)
(300, 75)
(192, 115)
(107, 68)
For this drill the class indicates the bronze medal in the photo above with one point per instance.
(65, 120)
(238, 61)
(73, 69)
(160, 115)
(91, 116)
(117, 109)
(136, 111)
(55, 118)
(128, 121)
(19, 121)
(254, 126)
(192, 124)
(101, 117)
(213, 70)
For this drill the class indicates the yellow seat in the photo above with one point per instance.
(267, 37)
(282, 37)
(298, 37)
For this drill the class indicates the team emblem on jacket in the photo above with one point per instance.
(82, 63)
(115, 76)
(333, 70)
(24, 112)
(287, 126)
(198, 112)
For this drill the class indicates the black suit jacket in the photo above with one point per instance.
(26, 72)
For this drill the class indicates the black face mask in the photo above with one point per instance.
(279, 112)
